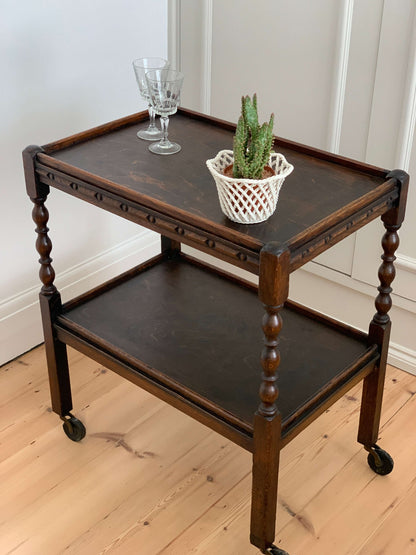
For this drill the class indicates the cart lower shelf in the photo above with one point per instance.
(192, 336)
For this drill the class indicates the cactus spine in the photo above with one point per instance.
(252, 142)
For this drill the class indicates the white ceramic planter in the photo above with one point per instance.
(248, 201)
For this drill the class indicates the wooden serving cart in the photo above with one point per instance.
(243, 360)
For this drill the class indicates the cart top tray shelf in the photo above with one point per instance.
(325, 198)
(197, 333)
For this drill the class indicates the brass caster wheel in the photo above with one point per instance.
(379, 460)
(73, 428)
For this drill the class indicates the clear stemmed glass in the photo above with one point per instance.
(164, 86)
(141, 66)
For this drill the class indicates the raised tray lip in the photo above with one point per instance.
(132, 119)
(292, 424)
(367, 357)
(387, 185)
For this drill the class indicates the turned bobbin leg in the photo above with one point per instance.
(273, 292)
(379, 334)
(50, 304)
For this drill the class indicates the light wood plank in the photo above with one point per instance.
(308, 465)
(150, 480)
(356, 501)
(401, 518)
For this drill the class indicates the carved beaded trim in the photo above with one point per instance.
(151, 219)
(193, 236)
(315, 247)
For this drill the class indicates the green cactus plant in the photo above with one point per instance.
(252, 142)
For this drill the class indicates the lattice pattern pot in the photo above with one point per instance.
(248, 201)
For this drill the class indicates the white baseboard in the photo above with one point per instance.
(402, 358)
(352, 302)
(20, 324)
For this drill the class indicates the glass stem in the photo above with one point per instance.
(164, 123)
(151, 117)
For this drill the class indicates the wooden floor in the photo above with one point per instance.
(148, 479)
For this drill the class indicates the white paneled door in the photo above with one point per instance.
(339, 75)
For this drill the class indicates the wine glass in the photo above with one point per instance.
(141, 66)
(164, 86)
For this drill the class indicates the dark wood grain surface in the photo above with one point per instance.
(316, 191)
(204, 331)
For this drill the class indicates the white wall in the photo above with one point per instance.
(65, 67)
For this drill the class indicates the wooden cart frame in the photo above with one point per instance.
(325, 199)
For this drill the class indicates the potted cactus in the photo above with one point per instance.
(252, 143)
(249, 178)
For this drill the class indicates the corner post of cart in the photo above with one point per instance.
(379, 331)
(50, 300)
(273, 293)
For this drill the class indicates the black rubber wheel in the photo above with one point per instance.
(273, 550)
(74, 428)
(382, 466)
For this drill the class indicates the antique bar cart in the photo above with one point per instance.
(243, 360)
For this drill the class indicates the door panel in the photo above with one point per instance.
(391, 141)
(359, 88)
(281, 50)
(338, 75)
